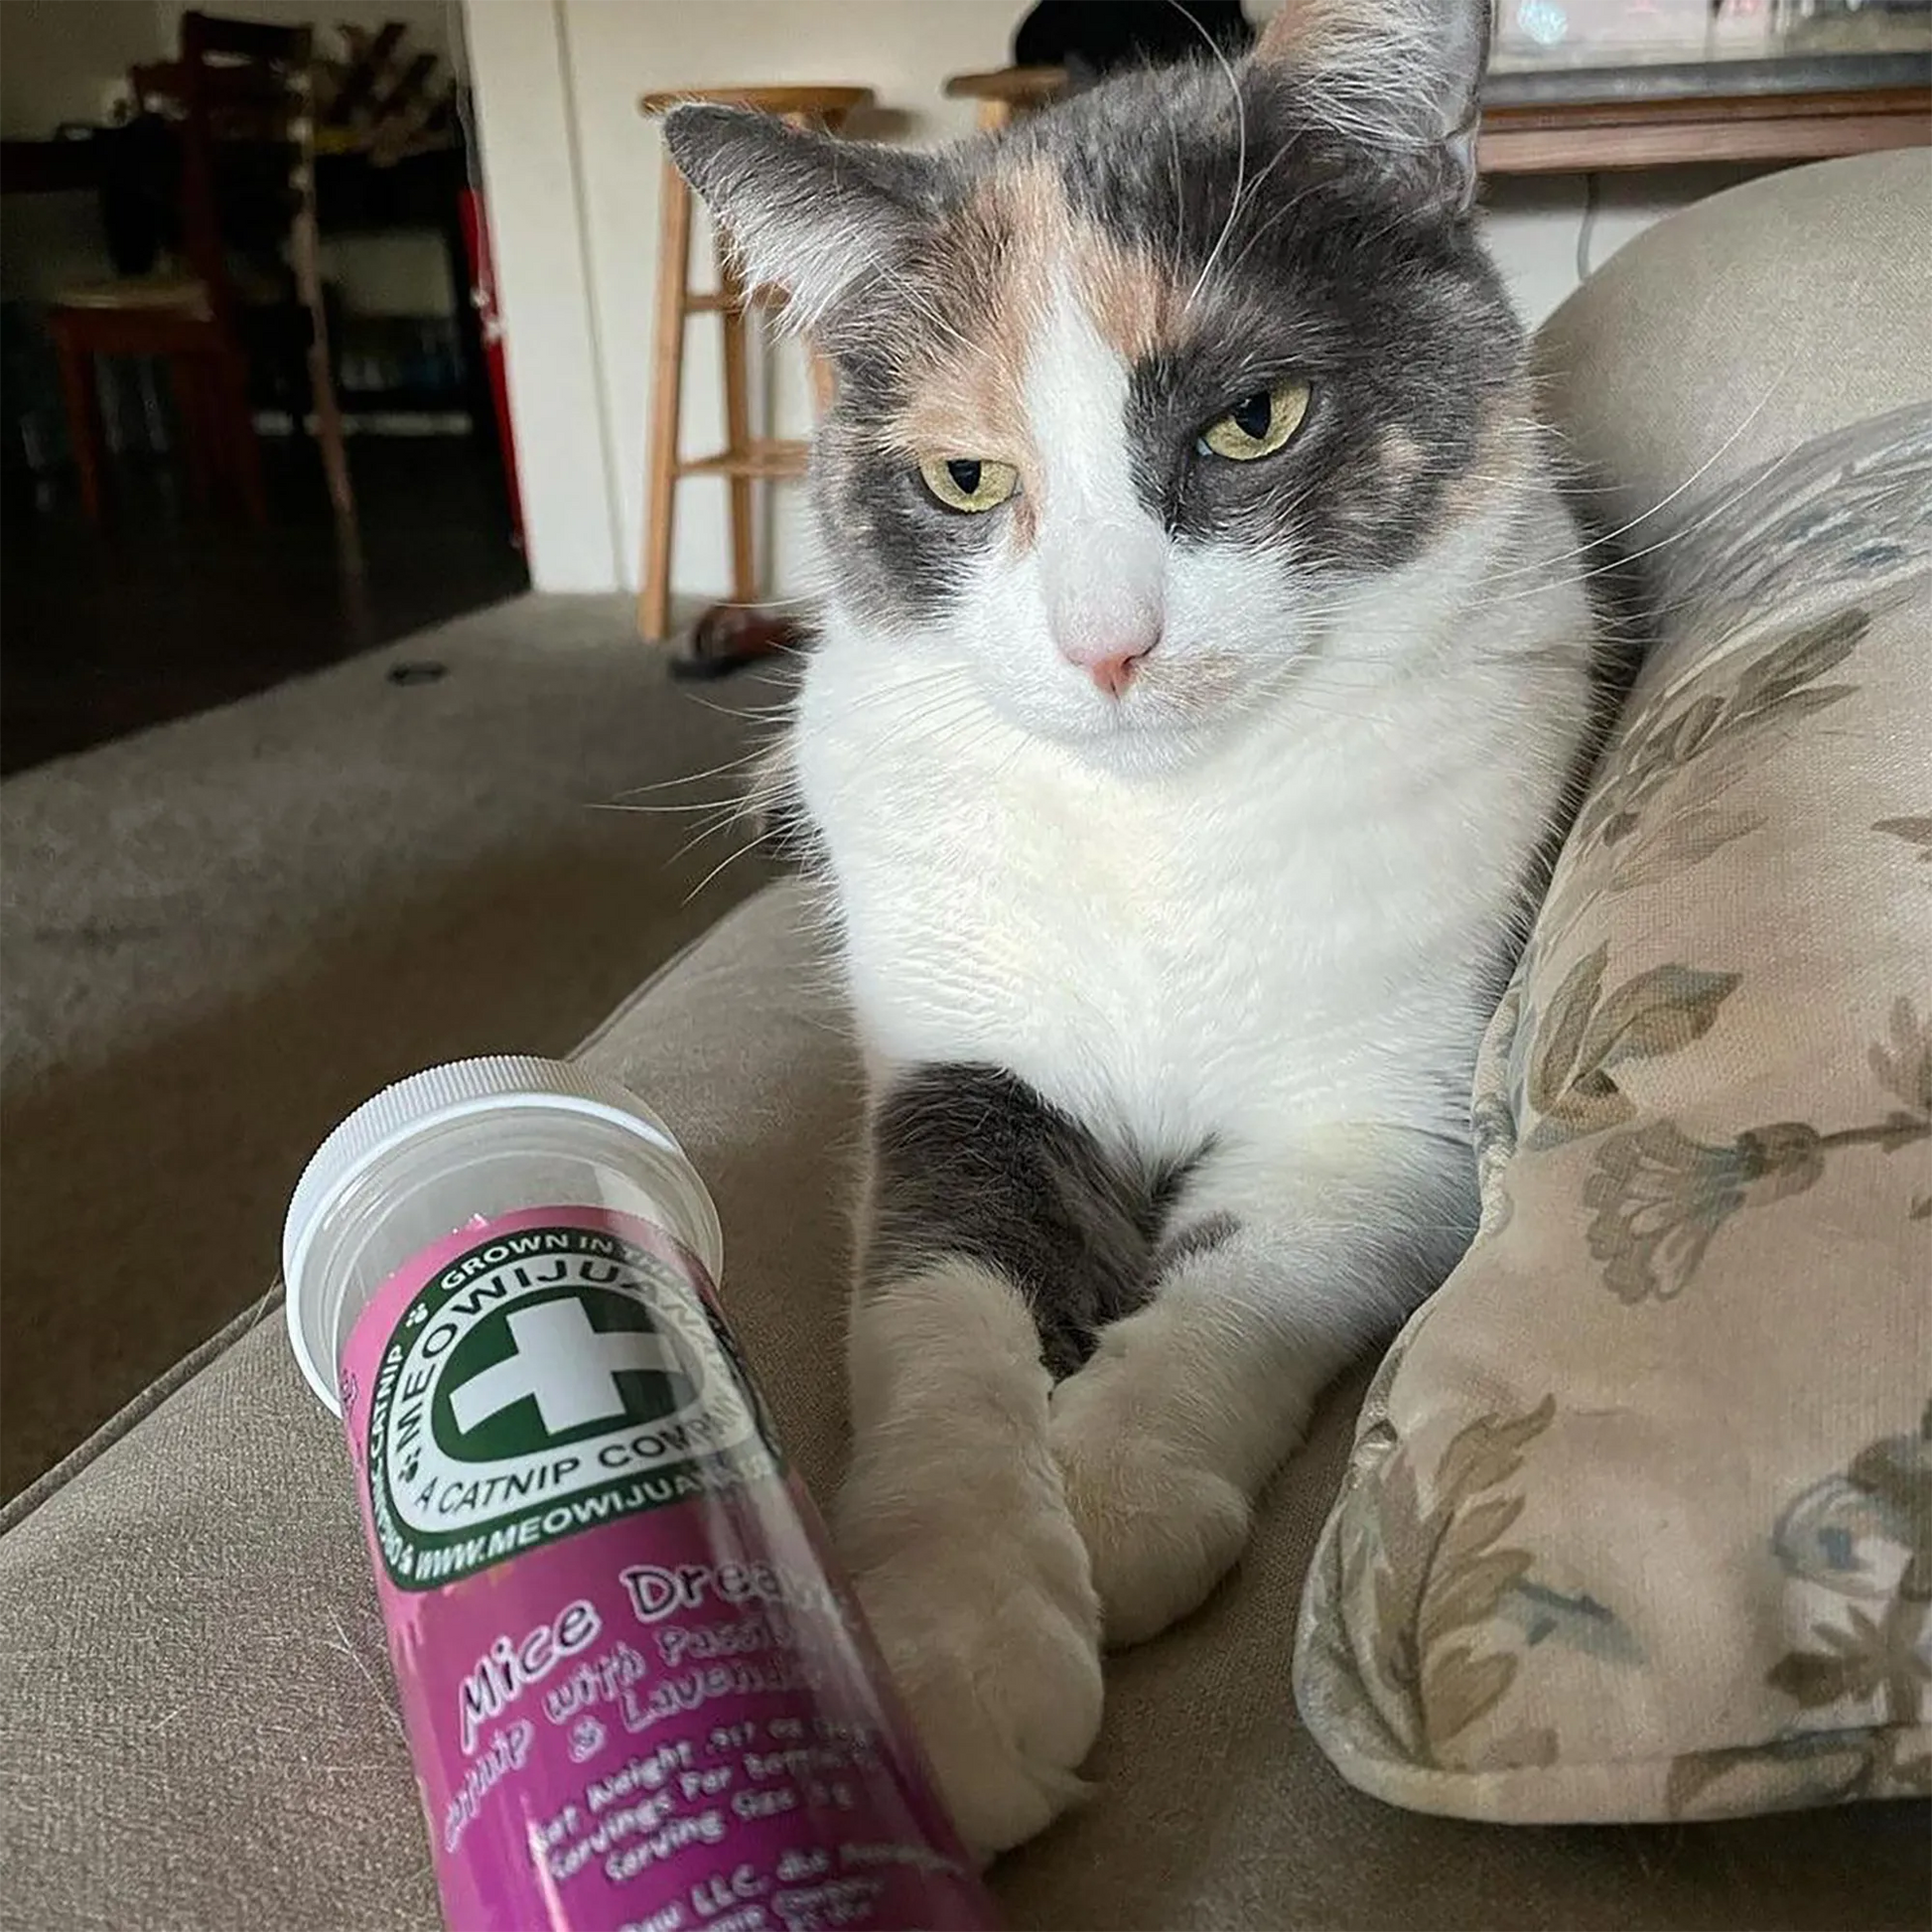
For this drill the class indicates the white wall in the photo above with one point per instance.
(612, 50)
(1534, 223)
(524, 98)
(63, 59)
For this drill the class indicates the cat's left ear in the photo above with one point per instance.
(801, 210)
(1403, 78)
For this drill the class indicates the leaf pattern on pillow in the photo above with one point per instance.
(1578, 1043)
(1438, 1574)
(1855, 1549)
(1795, 1772)
(1851, 508)
(1659, 1199)
(1916, 831)
(1698, 1595)
(1654, 812)
(1493, 1113)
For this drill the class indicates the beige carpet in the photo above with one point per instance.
(221, 935)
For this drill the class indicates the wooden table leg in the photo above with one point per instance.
(668, 371)
(84, 417)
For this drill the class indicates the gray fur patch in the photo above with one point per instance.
(971, 1160)
(1199, 1238)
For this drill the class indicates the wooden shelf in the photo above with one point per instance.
(1581, 137)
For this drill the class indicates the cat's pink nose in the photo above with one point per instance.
(1111, 669)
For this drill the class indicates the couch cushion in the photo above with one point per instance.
(1639, 1519)
(1743, 327)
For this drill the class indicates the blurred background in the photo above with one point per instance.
(488, 206)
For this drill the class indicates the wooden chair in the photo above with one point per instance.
(249, 275)
(745, 459)
(1007, 93)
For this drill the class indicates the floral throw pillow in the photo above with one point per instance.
(1638, 1523)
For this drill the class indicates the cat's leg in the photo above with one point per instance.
(990, 1226)
(1280, 1272)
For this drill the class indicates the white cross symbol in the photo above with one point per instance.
(564, 1362)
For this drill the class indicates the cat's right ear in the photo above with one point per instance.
(1402, 79)
(802, 212)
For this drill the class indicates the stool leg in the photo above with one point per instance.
(738, 433)
(823, 380)
(83, 418)
(660, 464)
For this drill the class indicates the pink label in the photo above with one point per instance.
(639, 1697)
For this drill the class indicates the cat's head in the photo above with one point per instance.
(1133, 398)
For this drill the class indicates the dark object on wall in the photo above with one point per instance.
(1094, 38)
(138, 166)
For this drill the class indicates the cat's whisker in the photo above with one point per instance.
(1240, 163)
(650, 811)
(1263, 229)
(931, 679)
(729, 858)
(1608, 537)
(1616, 565)
(758, 715)
(765, 602)
(693, 778)
(1179, 197)
(747, 811)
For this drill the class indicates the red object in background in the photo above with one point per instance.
(482, 293)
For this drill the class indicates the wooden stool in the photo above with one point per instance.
(745, 459)
(1006, 92)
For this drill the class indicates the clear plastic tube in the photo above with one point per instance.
(637, 1689)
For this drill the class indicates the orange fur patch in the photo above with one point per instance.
(1002, 253)
(1505, 442)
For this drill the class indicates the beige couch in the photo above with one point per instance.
(200, 1729)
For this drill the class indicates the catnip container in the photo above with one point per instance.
(637, 1691)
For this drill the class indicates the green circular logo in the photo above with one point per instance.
(542, 1383)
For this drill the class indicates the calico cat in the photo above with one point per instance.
(1201, 665)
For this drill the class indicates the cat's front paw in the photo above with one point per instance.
(989, 1624)
(1160, 1529)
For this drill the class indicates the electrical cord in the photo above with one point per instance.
(1592, 201)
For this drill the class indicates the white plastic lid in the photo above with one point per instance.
(397, 1115)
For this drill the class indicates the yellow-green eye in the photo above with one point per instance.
(1256, 425)
(968, 483)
